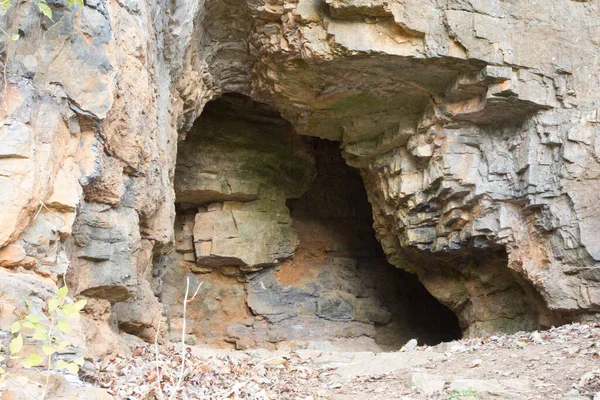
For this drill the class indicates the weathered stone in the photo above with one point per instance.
(427, 383)
(479, 148)
(106, 246)
(249, 154)
(66, 192)
(357, 9)
(254, 237)
(106, 183)
(12, 255)
(16, 141)
(335, 306)
(336, 291)
(140, 314)
(204, 226)
(184, 233)
(15, 288)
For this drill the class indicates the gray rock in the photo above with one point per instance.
(427, 384)
(107, 245)
(479, 149)
(335, 306)
(503, 388)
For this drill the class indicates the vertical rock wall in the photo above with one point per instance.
(88, 149)
(475, 126)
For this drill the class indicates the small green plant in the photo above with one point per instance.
(45, 334)
(462, 393)
(42, 6)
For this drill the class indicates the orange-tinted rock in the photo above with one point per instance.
(11, 255)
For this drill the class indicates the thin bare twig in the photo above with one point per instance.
(186, 300)
(27, 392)
(158, 373)
(196, 292)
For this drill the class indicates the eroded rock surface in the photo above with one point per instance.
(329, 287)
(475, 126)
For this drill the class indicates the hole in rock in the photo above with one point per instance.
(280, 230)
(334, 224)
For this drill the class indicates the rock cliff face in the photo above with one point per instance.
(475, 126)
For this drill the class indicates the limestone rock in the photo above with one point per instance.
(106, 244)
(335, 306)
(140, 314)
(356, 9)
(16, 141)
(11, 255)
(66, 192)
(427, 383)
(256, 236)
(479, 150)
(249, 151)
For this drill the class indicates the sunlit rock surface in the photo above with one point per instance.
(475, 126)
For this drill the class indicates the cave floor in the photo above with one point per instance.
(562, 363)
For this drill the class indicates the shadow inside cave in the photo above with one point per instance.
(280, 229)
(333, 220)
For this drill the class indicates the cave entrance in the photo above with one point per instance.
(337, 246)
(280, 230)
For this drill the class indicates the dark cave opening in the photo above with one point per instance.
(334, 217)
(280, 229)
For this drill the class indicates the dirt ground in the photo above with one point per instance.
(562, 363)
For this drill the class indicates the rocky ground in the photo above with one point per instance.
(561, 363)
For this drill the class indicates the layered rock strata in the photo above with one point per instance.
(475, 125)
(313, 277)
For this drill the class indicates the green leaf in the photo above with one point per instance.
(48, 350)
(63, 292)
(15, 327)
(34, 359)
(62, 364)
(53, 304)
(79, 361)
(80, 305)
(79, 3)
(40, 335)
(16, 344)
(44, 9)
(28, 325)
(32, 318)
(68, 310)
(64, 326)
(70, 3)
(15, 37)
(28, 303)
(73, 368)
(5, 5)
